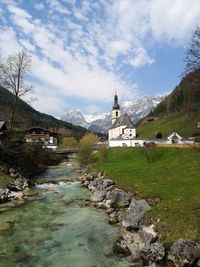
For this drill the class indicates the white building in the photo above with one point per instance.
(122, 132)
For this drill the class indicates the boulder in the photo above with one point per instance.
(152, 252)
(113, 218)
(89, 177)
(16, 195)
(12, 170)
(98, 196)
(4, 194)
(110, 210)
(119, 198)
(151, 265)
(184, 252)
(18, 184)
(101, 205)
(120, 248)
(108, 183)
(86, 183)
(147, 234)
(100, 174)
(134, 216)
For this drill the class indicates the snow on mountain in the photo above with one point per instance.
(136, 109)
(140, 108)
(76, 117)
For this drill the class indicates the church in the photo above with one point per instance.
(122, 132)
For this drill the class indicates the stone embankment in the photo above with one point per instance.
(138, 242)
(16, 188)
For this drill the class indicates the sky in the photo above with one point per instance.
(84, 50)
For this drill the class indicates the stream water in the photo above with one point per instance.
(56, 229)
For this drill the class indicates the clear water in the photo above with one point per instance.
(55, 229)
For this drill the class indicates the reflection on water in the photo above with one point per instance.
(55, 229)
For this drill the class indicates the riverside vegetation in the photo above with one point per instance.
(169, 180)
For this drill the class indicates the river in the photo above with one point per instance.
(55, 228)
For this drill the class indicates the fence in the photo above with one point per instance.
(180, 145)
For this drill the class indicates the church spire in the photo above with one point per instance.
(115, 109)
(116, 104)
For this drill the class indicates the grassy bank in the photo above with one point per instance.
(181, 122)
(170, 176)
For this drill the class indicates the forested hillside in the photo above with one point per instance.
(185, 97)
(26, 116)
(180, 111)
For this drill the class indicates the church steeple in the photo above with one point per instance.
(116, 104)
(115, 109)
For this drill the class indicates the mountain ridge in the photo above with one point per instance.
(136, 109)
(28, 116)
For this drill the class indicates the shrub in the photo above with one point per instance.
(103, 153)
(69, 141)
(159, 135)
(85, 150)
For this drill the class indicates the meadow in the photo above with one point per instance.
(169, 178)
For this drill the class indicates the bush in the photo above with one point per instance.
(159, 135)
(69, 141)
(29, 158)
(85, 150)
(149, 152)
(103, 152)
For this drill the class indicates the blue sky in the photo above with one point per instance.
(84, 50)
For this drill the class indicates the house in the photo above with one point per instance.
(122, 132)
(45, 136)
(3, 129)
(173, 138)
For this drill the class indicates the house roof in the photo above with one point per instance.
(36, 128)
(174, 135)
(123, 120)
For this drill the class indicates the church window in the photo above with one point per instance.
(122, 131)
(116, 113)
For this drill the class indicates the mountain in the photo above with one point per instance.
(26, 116)
(136, 109)
(179, 111)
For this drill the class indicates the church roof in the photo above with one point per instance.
(123, 120)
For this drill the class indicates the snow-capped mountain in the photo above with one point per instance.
(136, 109)
(140, 108)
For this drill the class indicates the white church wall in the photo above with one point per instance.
(126, 143)
(130, 131)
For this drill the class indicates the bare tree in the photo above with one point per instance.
(13, 72)
(193, 55)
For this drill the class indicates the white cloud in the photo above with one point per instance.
(21, 18)
(141, 58)
(39, 6)
(8, 41)
(48, 101)
(81, 55)
(172, 20)
(78, 81)
(27, 45)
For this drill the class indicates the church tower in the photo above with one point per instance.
(115, 109)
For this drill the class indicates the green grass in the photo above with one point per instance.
(173, 178)
(183, 123)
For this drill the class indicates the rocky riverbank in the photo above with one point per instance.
(138, 242)
(16, 187)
